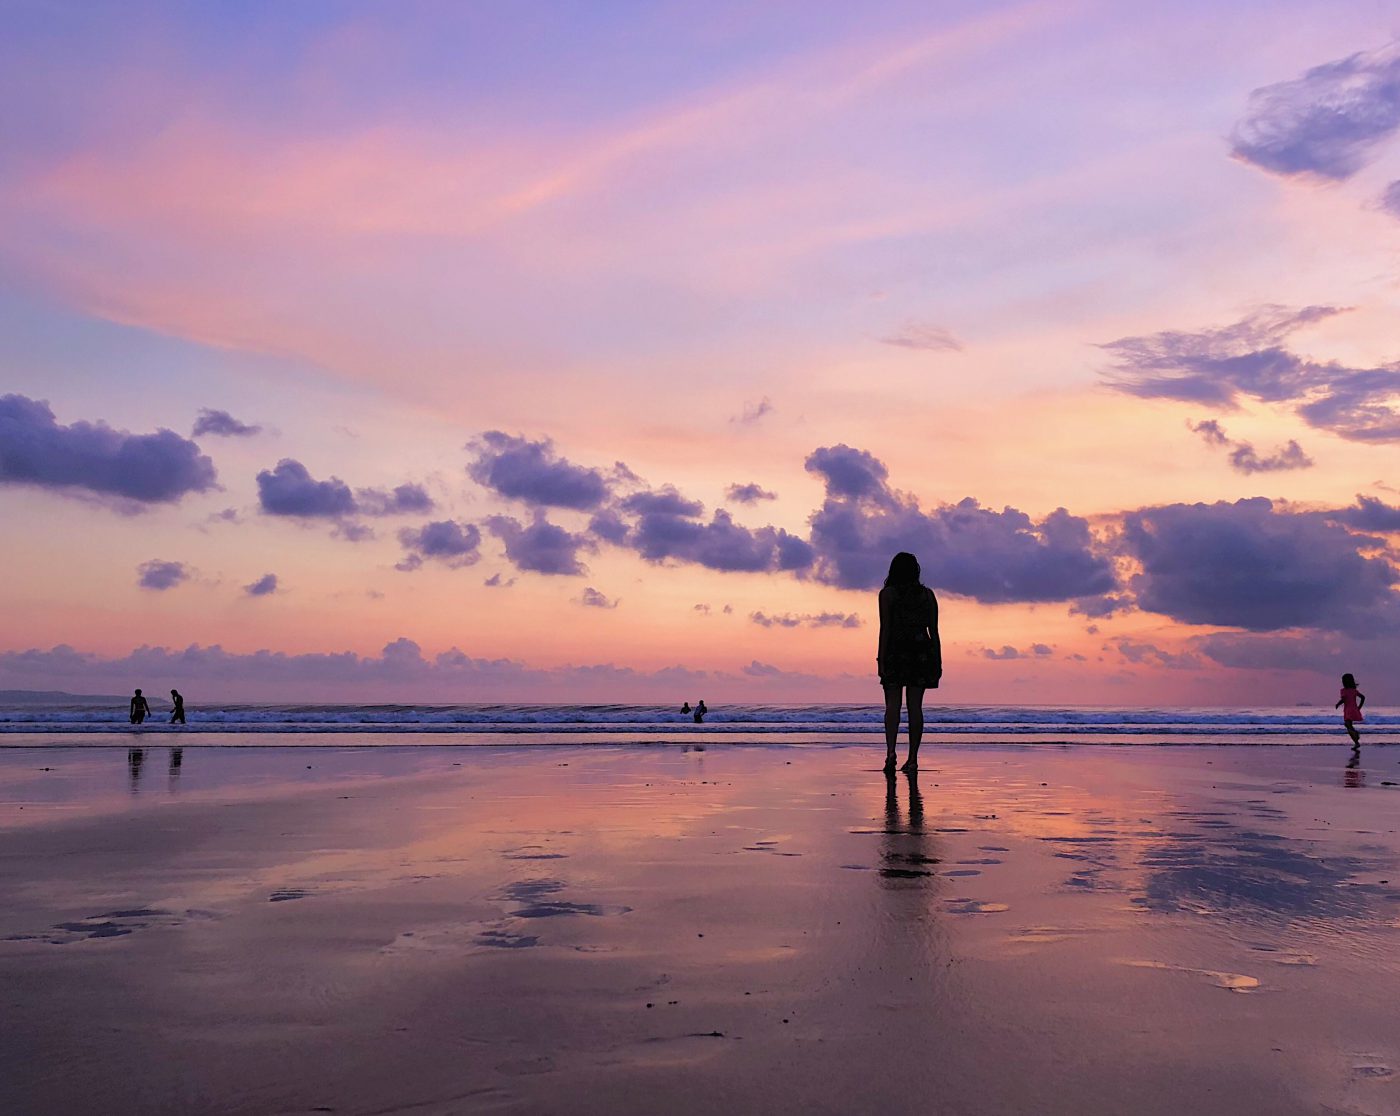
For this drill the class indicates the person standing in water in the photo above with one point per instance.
(140, 708)
(700, 711)
(910, 656)
(177, 715)
(1351, 702)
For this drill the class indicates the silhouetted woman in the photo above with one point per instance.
(910, 658)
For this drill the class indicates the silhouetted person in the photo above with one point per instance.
(135, 757)
(140, 708)
(685, 708)
(910, 656)
(700, 712)
(177, 715)
(1351, 702)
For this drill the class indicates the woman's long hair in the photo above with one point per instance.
(904, 572)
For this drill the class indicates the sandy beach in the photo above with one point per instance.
(672, 929)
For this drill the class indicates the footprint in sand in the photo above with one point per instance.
(1232, 982)
(1286, 956)
(1370, 1068)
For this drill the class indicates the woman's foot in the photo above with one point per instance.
(910, 767)
(889, 764)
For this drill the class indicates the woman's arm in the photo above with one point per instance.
(883, 645)
(1360, 699)
(933, 633)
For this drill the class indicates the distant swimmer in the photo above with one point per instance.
(1351, 702)
(140, 708)
(700, 712)
(177, 715)
(685, 708)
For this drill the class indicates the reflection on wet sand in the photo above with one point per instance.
(905, 851)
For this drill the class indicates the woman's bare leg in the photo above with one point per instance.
(892, 696)
(916, 726)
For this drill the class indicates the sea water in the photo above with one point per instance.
(525, 724)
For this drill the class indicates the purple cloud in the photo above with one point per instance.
(1369, 514)
(290, 490)
(222, 424)
(932, 339)
(752, 412)
(452, 543)
(263, 587)
(541, 547)
(749, 493)
(665, 501)
(534, 474)
(1243, 456)
(406, 499)
(94, 458)
(1249, 565)
(1390, 199)
(720, 544)
(806, 619)
(592, 598)
(160, 575)
(1216, 367)
(963, 548)
(1326, 123)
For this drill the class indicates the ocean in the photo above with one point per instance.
(521, 724)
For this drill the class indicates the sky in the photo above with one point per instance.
(608, 351)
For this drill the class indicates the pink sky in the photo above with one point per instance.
(874, 263)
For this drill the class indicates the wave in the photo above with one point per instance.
(581, 720)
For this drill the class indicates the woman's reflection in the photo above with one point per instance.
(135, 757)
(905, 853)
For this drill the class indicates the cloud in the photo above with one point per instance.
(93, 458)
(534, 474)
(290, 490)
(1216, 367)
(406, 499)
(1326, 123)
(666, 501)
(749, 493)
(401, 671)
(933, 339)
(1249, 565)
(850, 473)
(541, 547)
(160, 575)
(1150, 654)
(1369, 514)
(1243, 456)
(720, 544)
(964, 548)
(1389, 201)
(496, 581)
(263, 587)
(1034, 651)
(452, 543)
(806, 619)
(752, 412)
(222, 424)
(591, 598)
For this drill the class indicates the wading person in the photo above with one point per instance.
(910, 658)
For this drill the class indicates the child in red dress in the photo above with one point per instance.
(1351, 702)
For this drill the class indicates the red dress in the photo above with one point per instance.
(1350, 710)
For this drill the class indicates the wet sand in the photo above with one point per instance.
(669, 930)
